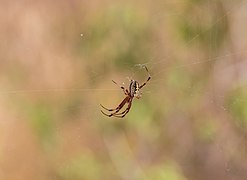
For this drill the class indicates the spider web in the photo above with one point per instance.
(222, 149)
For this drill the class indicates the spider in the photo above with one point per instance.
(134, 91)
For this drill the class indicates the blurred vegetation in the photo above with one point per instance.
(57, 63)
(238, 107)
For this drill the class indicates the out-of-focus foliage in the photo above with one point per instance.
(237, 105)
(57, 63)
(84, 166)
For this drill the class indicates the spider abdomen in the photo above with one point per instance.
(134, 89)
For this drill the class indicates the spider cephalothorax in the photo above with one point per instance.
(134, 91)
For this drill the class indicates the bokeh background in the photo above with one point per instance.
(57, 60)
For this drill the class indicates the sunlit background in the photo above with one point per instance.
(57, 63)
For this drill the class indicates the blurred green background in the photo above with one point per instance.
(57, 60)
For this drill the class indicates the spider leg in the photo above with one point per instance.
(126, 92)
(126, 100)
(107, 108)
(149, 77)
(127, 109)
(109, 115)
(122, 114)
(119, 106)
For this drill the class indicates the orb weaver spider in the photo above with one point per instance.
(133, 92)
